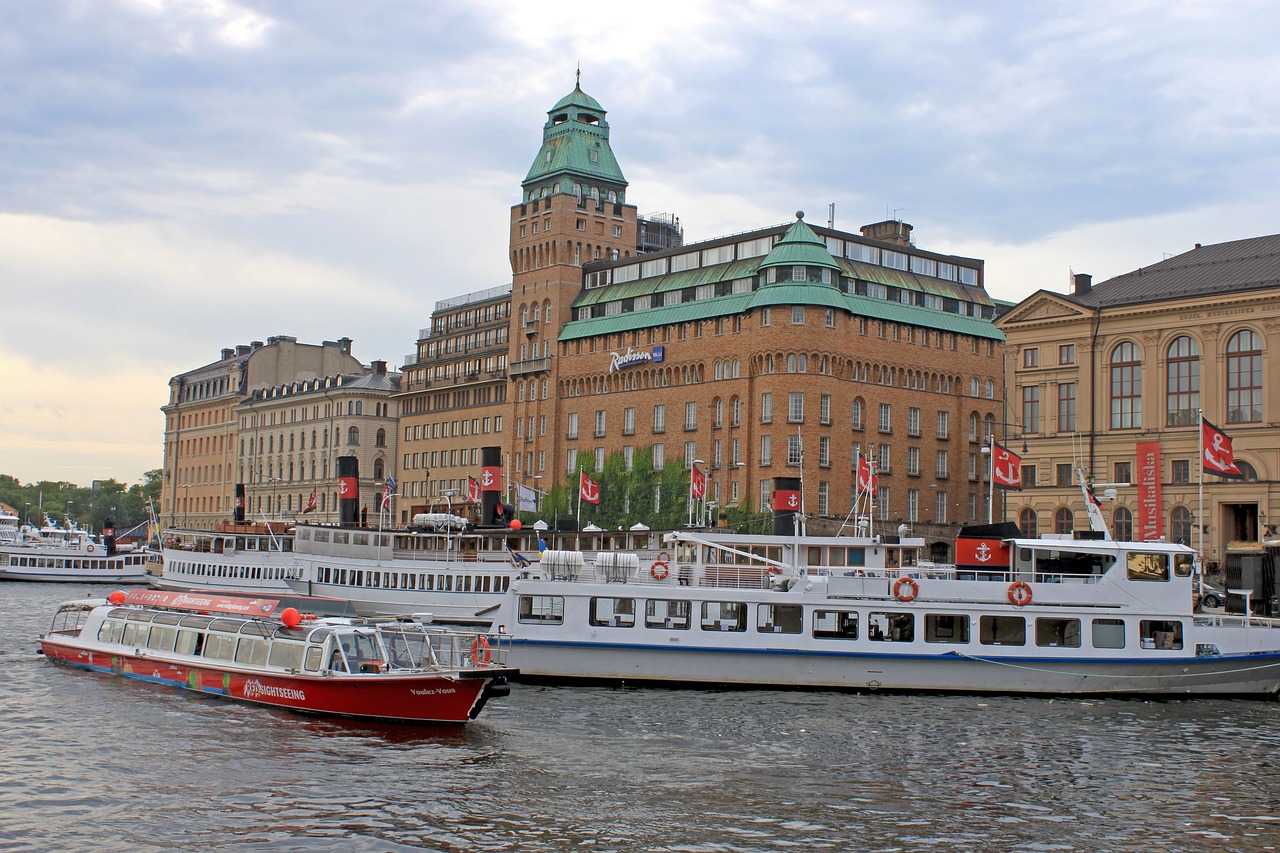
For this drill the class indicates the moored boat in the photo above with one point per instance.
(1053, 615)
(67, 555)
(227, 646)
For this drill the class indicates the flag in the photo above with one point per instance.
(867, 476)
(520, 561)
(311, 504)
(473, 489)
(1218, 456)
(387, 490)
(1006, 468)
(526, 498)
(589, 489)
(698, 483)
(542, 546)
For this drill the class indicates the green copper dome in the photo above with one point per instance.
(575, 151)
(800, 246)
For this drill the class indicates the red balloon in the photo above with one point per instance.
(516, 524)
(290, 617)
(117, 597)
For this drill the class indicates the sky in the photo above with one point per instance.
(180, 176)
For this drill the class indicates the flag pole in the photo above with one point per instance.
(991, 478)
(1200, 507)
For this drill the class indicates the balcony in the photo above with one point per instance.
(529, 366)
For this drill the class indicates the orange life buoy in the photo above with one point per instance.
(1019, 594)
(859, 573)
(775, 570)
(480, 654)
(659, 570)
(906, 589)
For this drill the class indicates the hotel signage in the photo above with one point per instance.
(632, 357)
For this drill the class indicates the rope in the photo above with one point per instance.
(1012, 665)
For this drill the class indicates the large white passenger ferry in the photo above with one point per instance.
(1053, 615)
(67, 554)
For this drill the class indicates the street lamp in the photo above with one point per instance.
(275, 501)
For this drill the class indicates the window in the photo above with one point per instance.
(780, 618)
(690, 454)
(1244, 378)
(1028, 524)
(600, 422)
(1031, 408)
(1002, 631)
(1031, 357)
(766, 450)
(660, 418)
(573, 426)
(1108, 633)
(1160, 633)
(766, 408)
(1124, 472)
(690, 415)
(913, 420)
(944, 425)
(667, 613)
(1058, 632)
(795, 452)
(1122, 524)
(1064, 520)
(856, 413)
(1180, 525)
(913, 461)
(723, 616)
(941, 465)
(541, 609)
(1181, 471)
(1067, 354)
(1126, 387)
(835, 625)
(1182, 399)
(886, 417)
(1066, 406)
(946, 628)
(1062, 474)
(795, 408)
(353, 436)
(824, 409)
(612, 612)
(797, 313)
(628, 421)
(891, 627)
(824, 451)
(1028, 475)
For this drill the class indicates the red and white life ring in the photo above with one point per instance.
(1019, 594)
(906, 589)
(90, 549)
(480, 653)
(661, 567)
(859, 573)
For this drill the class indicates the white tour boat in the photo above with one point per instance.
(1053, 615)
(238, 648)
(65, 554)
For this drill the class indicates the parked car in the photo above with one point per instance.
(1212, 597)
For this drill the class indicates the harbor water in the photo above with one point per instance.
(97, 763)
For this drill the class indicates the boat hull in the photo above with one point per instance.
(122, 575)
(416, 698)
(1243, 675)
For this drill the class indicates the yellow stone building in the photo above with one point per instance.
(1111, 380)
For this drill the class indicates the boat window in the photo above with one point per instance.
(189, 642)
(835, 624)
(135, 633)
(360, 539)
(891, 558)
(1003, 631)
(946, 628)
(220, 646)
(230, 625)
(891, 627)
(360, 648)
(322, 536)
(341, 538)
(1052, 562)
(724, 616)
(666, 613)
(161, 638)
(909, 556)
(613, 612)
(408, 649)
(315, 655)
(140, 616)
(1183, 564)
(304, 533)
(252, 651)
(285, 654)
(1148, 567)
(1160, 633)
(780, 618)
(1108, 633)
(168, 618)
(1058, 632)
(542, 609)
(195, 621)
(319, 634)
(111, 631)
(815, 555)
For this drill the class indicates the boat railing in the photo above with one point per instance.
(469, 650)
(1219, 620)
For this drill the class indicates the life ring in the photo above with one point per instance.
(659, 570)
(906, 589)
(90, 549)
(859, 573)
(480, 653)
(775, 570)
(1019, 593)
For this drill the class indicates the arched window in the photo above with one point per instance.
(380, 439)
(353, 436)
(857, 413)
(377, 469)
(1122, 524)
(1182, 400)
(735, 412)
(1126, 387)
(1180, 528)
(1064, 520)
(359, 407)
(1028, 523)
(1244, 378)
(990, 389)
(973, 426)
(1248, 473)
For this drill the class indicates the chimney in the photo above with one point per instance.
(1084, 283)
(243, 349)
(889, 231)
(379, 367)
(227, 352)
(344, 346)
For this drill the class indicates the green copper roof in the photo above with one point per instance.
(799, 293)
(575, 146)
(800, 246)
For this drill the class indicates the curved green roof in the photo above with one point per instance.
(800, 246)
(799, 293)
(578, 98)
(575, 145)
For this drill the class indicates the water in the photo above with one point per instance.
(92, 762)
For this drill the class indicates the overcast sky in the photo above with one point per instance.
(179, 176)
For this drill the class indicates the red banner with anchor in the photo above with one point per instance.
(984, 553)
(347, 488)
(786, 499)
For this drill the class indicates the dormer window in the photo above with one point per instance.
(548, 155)
(595, 156)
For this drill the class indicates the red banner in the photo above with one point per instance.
(1150, 503)
(698, 483)
(491, 478)
(589, 489)
(347, 488)
(987, 553)
(787, 500)
(202, 602)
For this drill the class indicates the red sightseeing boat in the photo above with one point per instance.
(233, 647)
